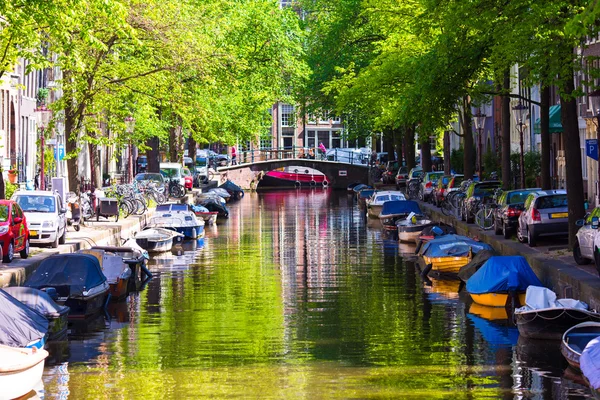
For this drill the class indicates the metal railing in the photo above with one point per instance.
(348, 156)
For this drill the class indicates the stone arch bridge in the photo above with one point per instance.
(339, 175)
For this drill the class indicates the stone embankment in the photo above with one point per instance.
(553, 265)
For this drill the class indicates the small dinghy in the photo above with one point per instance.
(546, 317)
(590, 365)
(575, 339)
(20, 370)
(135, 258)
(43, 303)
(234, 190)
(116, 271)
(375, 203)
(221, 192)
(500, 277)
(209, 217)
(157, 240)
(473, 266)
(364, 195)
(449, 253)
(214, 205)
(397, 210)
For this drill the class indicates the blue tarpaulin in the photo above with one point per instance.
(452, 245)
(366, 193)
(400, 207)
(501, 274)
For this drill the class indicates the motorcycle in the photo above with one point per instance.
(88, 210)
(73, 212)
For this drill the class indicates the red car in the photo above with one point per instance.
(189, 178)
(14, 234)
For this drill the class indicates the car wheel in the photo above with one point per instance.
(63, 238)
(25, 252)
(10, 253)
(520, 236)
(531, 238)
(55, 243)
(497, 229)
(577, 255)
(505, 231)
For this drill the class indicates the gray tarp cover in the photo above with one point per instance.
(39, 300)
(19, 324)
(79, 272)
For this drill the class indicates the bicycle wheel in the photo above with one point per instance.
(140, 207)
(484, 219)
(446, 207)
(124, 208)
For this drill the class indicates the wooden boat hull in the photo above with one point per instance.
(118, 290)
(551, 323)
(374, 210)
(446, 265)
(494, 299)
(20, 370)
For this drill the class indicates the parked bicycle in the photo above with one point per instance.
(484, 218)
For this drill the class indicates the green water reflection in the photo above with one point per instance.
(291, 298)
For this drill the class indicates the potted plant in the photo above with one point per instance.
(13, 174)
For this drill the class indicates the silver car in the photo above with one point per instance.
(545, 214)
(429, 181)
(585, 247)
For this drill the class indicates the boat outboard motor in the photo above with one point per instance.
(50, 291)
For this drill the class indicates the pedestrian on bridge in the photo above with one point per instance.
(233, 156)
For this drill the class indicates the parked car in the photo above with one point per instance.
(157, 178)
(401, 177)
(427, 184)
(391, 169)
(189, 178)
(45, 213)
(585, 248)
(454, 183)
(439, 190)
(506, 215)
(545, 214)
(477, 193)
(172, 171)
(14, 234)
(141, 164)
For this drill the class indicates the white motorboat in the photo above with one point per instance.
(375, 203)
(20, 370)
(157, 240)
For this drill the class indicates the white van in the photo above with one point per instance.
(171, 170)
(350, 156)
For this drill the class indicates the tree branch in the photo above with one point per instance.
(514, 96)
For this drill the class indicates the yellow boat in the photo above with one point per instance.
(489, 313)
(448, 264)
(494, 299)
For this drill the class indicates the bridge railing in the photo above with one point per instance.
(349, 156)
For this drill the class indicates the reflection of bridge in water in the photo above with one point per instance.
(341, 167)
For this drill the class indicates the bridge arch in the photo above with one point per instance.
(338, 175)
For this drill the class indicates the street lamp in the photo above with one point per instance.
(519, 112)
(479, 126)
(42, 117)
(129, 125)
(595, 99)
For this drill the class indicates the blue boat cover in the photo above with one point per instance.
(360, 187)
(19, 324)
(366, 193)
(501, 274)
(400, 207)
(78, 272)
(452, 245)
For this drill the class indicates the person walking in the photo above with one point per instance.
(233, 156)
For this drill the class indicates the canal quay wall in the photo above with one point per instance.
(555, 268)
(101, 233)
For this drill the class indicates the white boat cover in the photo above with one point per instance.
(538, 298)
(589, 363)
(133, 244)
(39, 300)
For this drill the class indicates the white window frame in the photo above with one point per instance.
(287, 115)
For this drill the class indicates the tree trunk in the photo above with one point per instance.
(192, 149)
(574, 177)
(71, 148)
(398, 145)
(506, 178)
(467, 138)
(409, 147)
(426, 155)
(173, 144)
(545, 132)
(153, 154)
(447, 152)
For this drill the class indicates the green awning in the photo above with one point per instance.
(555, 125)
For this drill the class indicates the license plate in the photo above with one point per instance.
(33, 233)
(559, 215)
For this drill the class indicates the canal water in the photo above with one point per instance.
(298, 296)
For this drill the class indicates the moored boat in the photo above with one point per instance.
(20, 370)
(449, 253)
(589, 363)
(221, 193)
(209, 217)
(294, 176)
(43, 303)
(20, 325)
(179, 218)
(545, 317)
(77, 279)
(234, 190)
(116, 271)
(375, 203)
(135, 258)
(396, 210)
(575, 339)
(363, 196)
(157, 240)
(473, 266)
(500, 277)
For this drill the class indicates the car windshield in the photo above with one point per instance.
(33, 203)
(458, 180)
(170, 172)
(186, 172)
(3, 213)
(554, 201)
(434, 176)
(484, 190)
(417, 173)
(150, 177)
(517, 197)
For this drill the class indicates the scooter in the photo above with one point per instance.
(87, 205)
(73, 212)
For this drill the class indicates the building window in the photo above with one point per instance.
(287, 115)
(288, 142)
(312, 119)
(310, 138)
